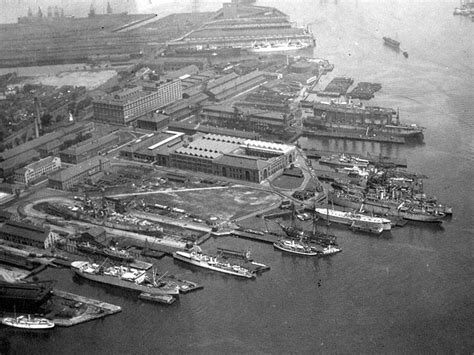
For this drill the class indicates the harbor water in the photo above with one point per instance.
(409, 291)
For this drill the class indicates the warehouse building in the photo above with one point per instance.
(68, 177)
(35, 170)
(87, 149)
(233, 157)
(28, 234)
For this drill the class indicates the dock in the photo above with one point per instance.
(354, 136)
(265, 238)
(83, 309)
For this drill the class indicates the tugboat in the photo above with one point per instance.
(330, 250)
(28, 322)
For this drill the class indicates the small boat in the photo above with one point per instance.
(28, 322)
(365, 227)
(330, 250)
(293, 247)
(166, 299)
(391, 42)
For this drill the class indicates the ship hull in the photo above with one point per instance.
(395, 131)
(350, 218)
(382, 209)
(292, 251)
(117, 282)
(187, 258)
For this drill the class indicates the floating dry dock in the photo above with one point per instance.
(87, 308)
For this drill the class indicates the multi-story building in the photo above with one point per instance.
(247, 119)
(87, 149)
(68, 177)
(35, 170)
(233, 157)
(125, 106)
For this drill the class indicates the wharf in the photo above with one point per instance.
(265, 238)
(354, 136)
(86, 309)
(276, 214)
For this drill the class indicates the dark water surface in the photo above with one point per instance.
(408, 292)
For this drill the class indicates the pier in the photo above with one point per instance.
(83, 309)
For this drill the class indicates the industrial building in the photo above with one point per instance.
(232, 84)
(233, 157)
(15, 158)
(240, 26)
(28, 234)
(126, 105)
(153, 147)
(247, 119)
(35, 170)
(153, 121)
(68, 177)
(87, 149)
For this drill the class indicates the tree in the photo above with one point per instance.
(46, 119)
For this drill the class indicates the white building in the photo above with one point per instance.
(35, 170)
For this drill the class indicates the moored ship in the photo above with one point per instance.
(373, 204)
(123, 277)
(294, 247)
(350, 218)
(364, 120)
(28, 322)
(197, 258)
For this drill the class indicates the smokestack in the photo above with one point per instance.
(37, 118)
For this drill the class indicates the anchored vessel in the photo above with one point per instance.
(123, 277)
(350, 218)
(196, 257)
(28, 322)
(391, 42)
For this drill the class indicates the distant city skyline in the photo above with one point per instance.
(12, 9)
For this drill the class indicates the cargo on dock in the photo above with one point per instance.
(83, 309)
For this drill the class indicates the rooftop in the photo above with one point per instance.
(25, 230)
(74, 170)
(37, 164)
(89, 144)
